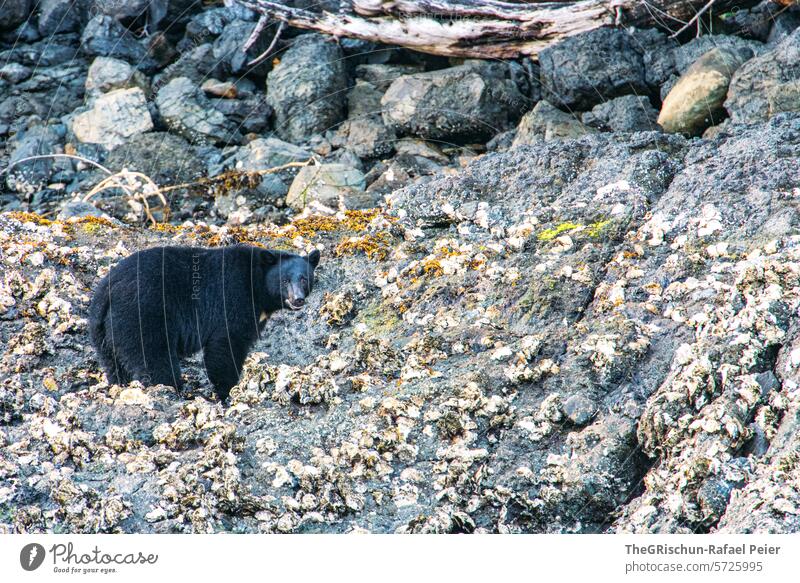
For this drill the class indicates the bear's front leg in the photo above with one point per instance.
(224, 357)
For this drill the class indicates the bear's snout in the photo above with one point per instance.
(297, 297)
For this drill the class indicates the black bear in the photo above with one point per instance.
(160, 304)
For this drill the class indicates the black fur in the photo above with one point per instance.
(161, 304)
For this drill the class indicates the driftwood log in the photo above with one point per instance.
(486, 29)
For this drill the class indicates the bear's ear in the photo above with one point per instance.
(268, 257)
(313, 258)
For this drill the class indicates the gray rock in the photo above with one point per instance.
(250, 114)
(72, 209)
(765, 84)
(46, 53)
(421, 148)
(584, 70)
(125, 10)
(366, 137)
(14, 13)
(545, 122)
(28, 177)
(228, 49)
(402, 170)
(579, 409)
(113, 118)
(783, 25)
(665, 64)
(56, 16)
(166, 158)
(364, 99)
(266, 154)
(107, 74)
(307, 89)
(105, 37)
(331, 185)
(15, 73)
(696, 101)
(459, 103)
(629, 113)
(197, 64)
(381, 76)
(189, 113)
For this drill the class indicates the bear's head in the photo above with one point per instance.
(290, 277)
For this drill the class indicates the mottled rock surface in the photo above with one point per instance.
(307, 89)
(695, 102)
(112, 118)
(459, 103)
(550, 340)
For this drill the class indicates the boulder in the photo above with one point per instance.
(766, 85)
(129, 10)
(107, 74)
(584, 70)
(189, 113)
(382, 76)
(366, 136)
(105, 37)
(307, 88)
(166, 158)
(331, 185)
(113, 118)
(57, 16)
(28, 177)
(545, 122)
(696, 101)
(227, 49)
(461, 103)
(629, 113)
(14, 13)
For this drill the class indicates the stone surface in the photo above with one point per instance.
(367, 137)
(459, 103)
(382, 76)
(579, 410)
(167, 159)
(696, 101)
(330, 185)
(545, 122)
(56, 16)
(105, 37)
(14, 13)
(629, 113)
(307, 89)
(106, 74)
(228, 49)
(759, 87)
(440, 349)
(582, 71)
(113, 118)
(28, 177)
(189, 113)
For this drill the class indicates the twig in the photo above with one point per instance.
(695, 18)
(217, 178)
(43, 156)
(134, 189)
(265, 55)
(260, 26)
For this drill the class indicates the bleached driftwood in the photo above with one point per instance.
(485, 28)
